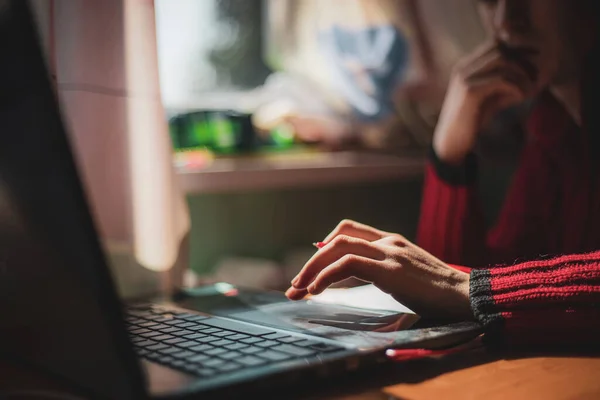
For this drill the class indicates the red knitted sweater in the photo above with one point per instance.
(552, 208)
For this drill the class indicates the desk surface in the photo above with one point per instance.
(473, 375)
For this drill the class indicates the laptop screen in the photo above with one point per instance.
(58, 308)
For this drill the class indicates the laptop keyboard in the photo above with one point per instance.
(205, 346)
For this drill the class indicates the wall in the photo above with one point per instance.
(270, 223)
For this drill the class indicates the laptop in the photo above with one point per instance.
(60, 311)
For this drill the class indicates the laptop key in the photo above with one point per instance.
(228, 367)
(195, 336)
(251, 361)
(230, 355)
(190, 368)
(150, 334)
(223, 333)
(171, 351)
(238, 336)
(237, 326)
(274, 355)
(158, 346)
(198, 358)
(181, 332)
(153, 356)
(199, 328)
(148, 324)
(175, 340)
(215, 351)
(177, 363)
(276, 336)
(204, 371)
(195, 318)
(142, 352)
(222, 342)
(252, 350)
(267, 343)
(165, 359)
(146, 343)
(184, 324)
(158, 318)
(251, 340)
(209, 330)
(208, 339)
(160, 327)
(172, 321)
(139, 331)
(236, 346)
(293, 350)
(187, 344)
(214, 362)
(170, 330)
(183, 355)
(201, 347)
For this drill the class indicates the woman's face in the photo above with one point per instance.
(547, 36)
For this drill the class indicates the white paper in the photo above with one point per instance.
(366, 296)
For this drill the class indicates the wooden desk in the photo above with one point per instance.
(473, 375)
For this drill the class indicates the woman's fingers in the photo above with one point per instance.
(338, 248)
(296, 294)
(494, 63)
(350, 265)
(485, 88)
(481, 52)
(355, 229)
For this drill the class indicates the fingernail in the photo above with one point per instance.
(312, 288)
(319, 245)
(296, 284)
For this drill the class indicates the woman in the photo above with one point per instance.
(539, 50)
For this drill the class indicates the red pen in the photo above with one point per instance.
(412, 354)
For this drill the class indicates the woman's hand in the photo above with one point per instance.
(412, 276)
(481, 85)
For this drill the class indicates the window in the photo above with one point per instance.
(209, 50)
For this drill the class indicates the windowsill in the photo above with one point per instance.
(298, 171)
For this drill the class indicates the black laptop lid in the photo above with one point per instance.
(58, 308)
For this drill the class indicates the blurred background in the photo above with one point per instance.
(284, 117)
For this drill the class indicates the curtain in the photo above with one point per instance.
(103, 57)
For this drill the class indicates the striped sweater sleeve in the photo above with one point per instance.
(451, 225)
(553, 302)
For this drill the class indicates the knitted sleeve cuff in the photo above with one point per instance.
(483, 305)
(551, 301)
(458, 175)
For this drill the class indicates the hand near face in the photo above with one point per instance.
(482, 85)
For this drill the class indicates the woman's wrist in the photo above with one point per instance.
(462, 174)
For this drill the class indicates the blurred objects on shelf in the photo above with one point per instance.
(194, 159)
(296, 106)
(382, 64)
(225, 132)
(248, 76)
(370, 60)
